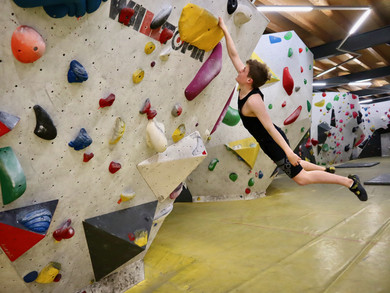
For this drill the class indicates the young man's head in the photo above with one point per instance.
(254, 73)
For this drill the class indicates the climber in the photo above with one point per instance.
(270, 137)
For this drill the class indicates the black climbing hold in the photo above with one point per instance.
(44, 128)
(232, 6)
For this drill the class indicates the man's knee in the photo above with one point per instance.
(300, 179)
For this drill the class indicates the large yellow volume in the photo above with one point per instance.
(199, 27)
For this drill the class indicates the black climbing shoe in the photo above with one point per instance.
(330, 170)
(357, 188)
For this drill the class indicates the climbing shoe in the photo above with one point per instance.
(357, 188)
(330, 170)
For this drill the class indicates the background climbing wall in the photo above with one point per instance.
(376, 116)
(337, 127)
(281, 52)
(110, 52)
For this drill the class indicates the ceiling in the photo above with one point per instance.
(323, 31)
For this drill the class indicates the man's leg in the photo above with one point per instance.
(310, 166)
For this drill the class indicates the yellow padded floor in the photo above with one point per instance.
(316, 238)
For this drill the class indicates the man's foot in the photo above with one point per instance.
(357, 188)
(330, 170)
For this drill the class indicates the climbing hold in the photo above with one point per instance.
(152, 64)
(288, 36)
(145, 107)
(176, 192)
(207, 33)
(354, 96)
(114, 167)
(324, 94)
(87, 157)
(270, 106)
(243, 15)
(310, 67)
(165, 35)
(149, 47)
(297, 88)
(288, 82)
(48, 273)
(179, 133)
(231, 6)
(155, 136)
(12, 178)
(328, 106)
(141, 238)
(294, 116)
(27, 44)
(301, 69)
(290, 52)
(126, 196)
(161, 17)
(347, 113)
(300, 50)
(125, 15)
(302, 129)
(57, 278)
(251, 182)
(336, 98)
(314, 142)
(212, 164)
(233, 176)
(165, 53)
(346, 148)
(119, 130)
(44, 126)
(82, 141)
(207, 72)
(77, 72)
(7, 122)
(64, 232)
(138, 75)
(284, 104)
(352, 106)
(320, 103)
(151, 114)
(30, 277)
(232, 117)
(177, 110)
(341, 121)
(37, 221)
(247, 190)
(274, 39)
(325, 147)
(305, 81)
(106, 102)
(354, 114)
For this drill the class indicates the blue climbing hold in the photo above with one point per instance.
(261, 174)
(30, 277)
(274, 39)
(37, 221)
(77, 72)
(81, 141)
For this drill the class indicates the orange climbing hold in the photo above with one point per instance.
(27, 44)
(288, 82)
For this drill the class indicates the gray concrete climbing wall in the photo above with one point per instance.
(343, 130)
(86, 191)
(289, 89)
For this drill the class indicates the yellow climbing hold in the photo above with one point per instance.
(199, 27)
(138, 75)
(126, 196)
(118, 130)
(179, 133)
(48, 273)
(149, 47)
(141, 238)
(247, 149)
(320, 103)
(274, 77)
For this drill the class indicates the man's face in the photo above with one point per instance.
(242, 76)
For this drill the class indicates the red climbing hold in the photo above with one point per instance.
(114, 167)
(107, 101)
(314, 142)
(288, 82)
(294, 116)
(151, 114)
(87, 157)
(301, 69)
(308, 143)
(146, 106)
(284, 104)
(125, 15)
(64, 232)
(300, 50)
(352, 106)
(247, 190)
(324, 94)
(354, 97)
(165, 35)
(354, 114)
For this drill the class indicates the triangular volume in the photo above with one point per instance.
(15, 241)
(165, 171)
(247, 149)
(125, 223)
(274, 77)
(107, 251)
(7, 122)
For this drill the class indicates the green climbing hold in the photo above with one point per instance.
(328, 106)
(308, 106)
(288, 36)
(302, 129)
(233, 176)
(290, 52)
(213, 163)
(325, 147)
(232, 117)
(307, 49)
(251, 182)
(12, 178)
(336, 98)
(270, 106)
(305, 81)
(310, 67)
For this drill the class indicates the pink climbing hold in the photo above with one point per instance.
(294, 116)
(341, 120)
(288, 82)
(347, 113)
(114, 167)
(352, 106)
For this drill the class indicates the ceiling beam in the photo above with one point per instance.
(373, 91)
(353, 43)
(345, 79)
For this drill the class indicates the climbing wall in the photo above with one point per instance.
(239, 170)
(97, 135)
(376, 116)
(337, 127)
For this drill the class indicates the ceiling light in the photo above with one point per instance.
(359, 22)
(319, 84)
(367, 83)
(326, 71)
(365, 101)
(278, 8)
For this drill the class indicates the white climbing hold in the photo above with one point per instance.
(243, 15)
(155, 136)
(165, 53)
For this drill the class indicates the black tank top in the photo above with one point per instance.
(256, 128)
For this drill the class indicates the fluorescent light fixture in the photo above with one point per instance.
(359, 22)
(365, 101)
(326, 71)
(319, 84)
(364, 80)
(279, 8)
(367, 83)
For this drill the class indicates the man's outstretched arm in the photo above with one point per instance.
(231, 48)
